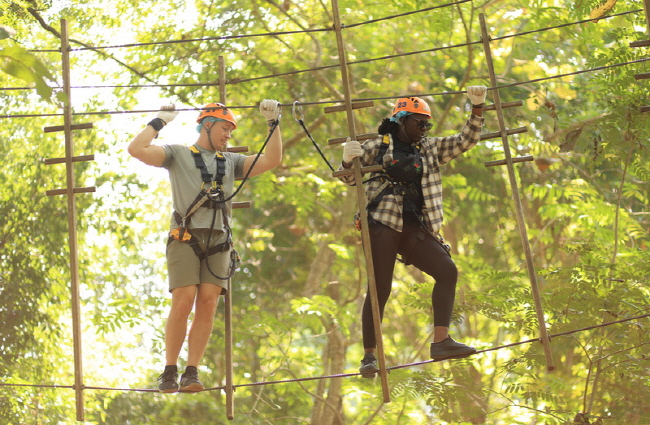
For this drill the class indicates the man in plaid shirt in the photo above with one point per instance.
(405, 211)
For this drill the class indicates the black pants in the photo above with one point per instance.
(424, 252)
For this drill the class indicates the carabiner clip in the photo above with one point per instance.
(298, 107)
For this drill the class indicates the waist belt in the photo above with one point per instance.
(195, 244)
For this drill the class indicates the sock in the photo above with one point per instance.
(171, 368)
(190, 368)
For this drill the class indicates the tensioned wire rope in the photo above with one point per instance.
(345, 375)
(320, 68)
(329, 102)
(231, 37)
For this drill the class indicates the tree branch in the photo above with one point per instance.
(140, 74)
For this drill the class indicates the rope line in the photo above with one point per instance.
(191, 40)
(231, 37)
(36, 385)
(600, 68)
(372, 21)
(320, 68)
(300, 71)
(528, 341)
(245, 80)
(329, 102)
(344, 375)
(564, 25)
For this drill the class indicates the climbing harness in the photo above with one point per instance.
(397, 177)
(212, 196)
(297, 109)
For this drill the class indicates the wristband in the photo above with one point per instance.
(480, 105)
(157, 123)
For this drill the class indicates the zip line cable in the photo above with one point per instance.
(372, 21)
(328, 102)
(320, 68)
(345, 375)
(564, 25)
(231, 37)
(191, 40)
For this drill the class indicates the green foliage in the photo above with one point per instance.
(18, 62)
(297, 297)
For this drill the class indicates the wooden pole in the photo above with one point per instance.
(230, 390)
(361, 199)
(517, 201)
(646, 6)
(72, 224)
(222, 80)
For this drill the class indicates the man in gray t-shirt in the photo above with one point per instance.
(198, 274)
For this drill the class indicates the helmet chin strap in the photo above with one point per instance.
(207, 130)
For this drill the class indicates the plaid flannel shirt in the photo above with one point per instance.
(435, 152)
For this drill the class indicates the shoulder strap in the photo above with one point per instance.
(205, 175)
(383, 148)
(221, 167)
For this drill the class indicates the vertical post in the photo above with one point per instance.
(230, 391)
(521, 224)
(362, 201)
(646, 6)
(72, 224)
(222, 80)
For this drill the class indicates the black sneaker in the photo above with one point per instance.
(167, 381)
(450, 349)
(190, 382)
(368, 366)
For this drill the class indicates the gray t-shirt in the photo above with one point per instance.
(186, 182)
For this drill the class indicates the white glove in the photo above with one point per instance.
(477, 94)
(352, 149)
(167, 113)
(270, 109)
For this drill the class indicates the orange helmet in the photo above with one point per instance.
(412, 104)
(217, 110)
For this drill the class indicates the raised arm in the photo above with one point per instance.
(141, 147)
(272, 155)
(451, 147)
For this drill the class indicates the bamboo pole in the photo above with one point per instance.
(230, 390)
(521, 224)
(72, 224)
(361, 198)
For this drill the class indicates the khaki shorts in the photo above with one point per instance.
(185, 269)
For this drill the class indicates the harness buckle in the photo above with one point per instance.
(215, 193)
(180, 234)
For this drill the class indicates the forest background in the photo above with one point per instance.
(298, 294)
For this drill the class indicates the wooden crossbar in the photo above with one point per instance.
(356, 105)
(56, 128)
(504, 162)
(81, 158)
(508, 132)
